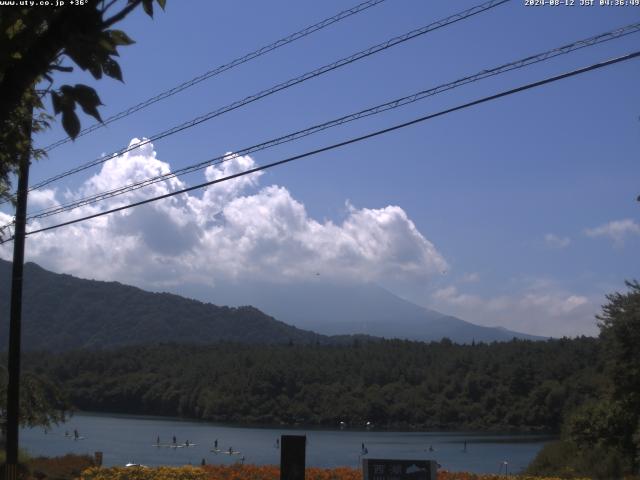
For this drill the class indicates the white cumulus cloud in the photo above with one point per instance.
(556, 241)
(471, 277)
(617, 230)
(232, 230)
(535, 310)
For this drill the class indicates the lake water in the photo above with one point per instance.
(124, 439)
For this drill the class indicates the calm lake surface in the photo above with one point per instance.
(124, 439)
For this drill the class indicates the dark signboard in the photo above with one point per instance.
(388, 469)
(292, 457)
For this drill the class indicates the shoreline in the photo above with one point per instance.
(501, 432)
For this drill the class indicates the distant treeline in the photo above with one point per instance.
(520, 385)
(517, 385)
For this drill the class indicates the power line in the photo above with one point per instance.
(222, 68)
(289, 83)
(284, 85)
(347, 142)
(530, 60)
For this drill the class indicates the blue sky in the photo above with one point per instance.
(526, 204)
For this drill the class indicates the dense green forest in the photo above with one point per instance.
(521, 385)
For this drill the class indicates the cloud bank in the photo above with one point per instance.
(233, 230)
(541, 308)
(617, 231)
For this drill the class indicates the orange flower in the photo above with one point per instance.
(260, 472)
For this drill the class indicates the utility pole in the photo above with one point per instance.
(13, 388)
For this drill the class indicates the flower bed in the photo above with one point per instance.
(260, 472)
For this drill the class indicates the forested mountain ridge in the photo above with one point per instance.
(62, 312)
(518, 385)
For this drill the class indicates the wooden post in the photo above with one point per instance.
(292, 457)
(13, 367)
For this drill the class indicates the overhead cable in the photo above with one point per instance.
(284, 85)
(223, 68)
(346, 142)
(527, 61)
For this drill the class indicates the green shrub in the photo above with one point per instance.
(564, 459)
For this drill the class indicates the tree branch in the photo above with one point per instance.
(109, 5)
(122, 14)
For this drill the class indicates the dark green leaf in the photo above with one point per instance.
(67, 91)
(88, 99)
(86, 59)
(80, 55)
(162, 3)
(86, 95)
(99, 56)
(112, 69)
(118, 37)
(147, 5)
(67, 98)
(57, 102)
(70, 123)
(96, 71)
(107, 45)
